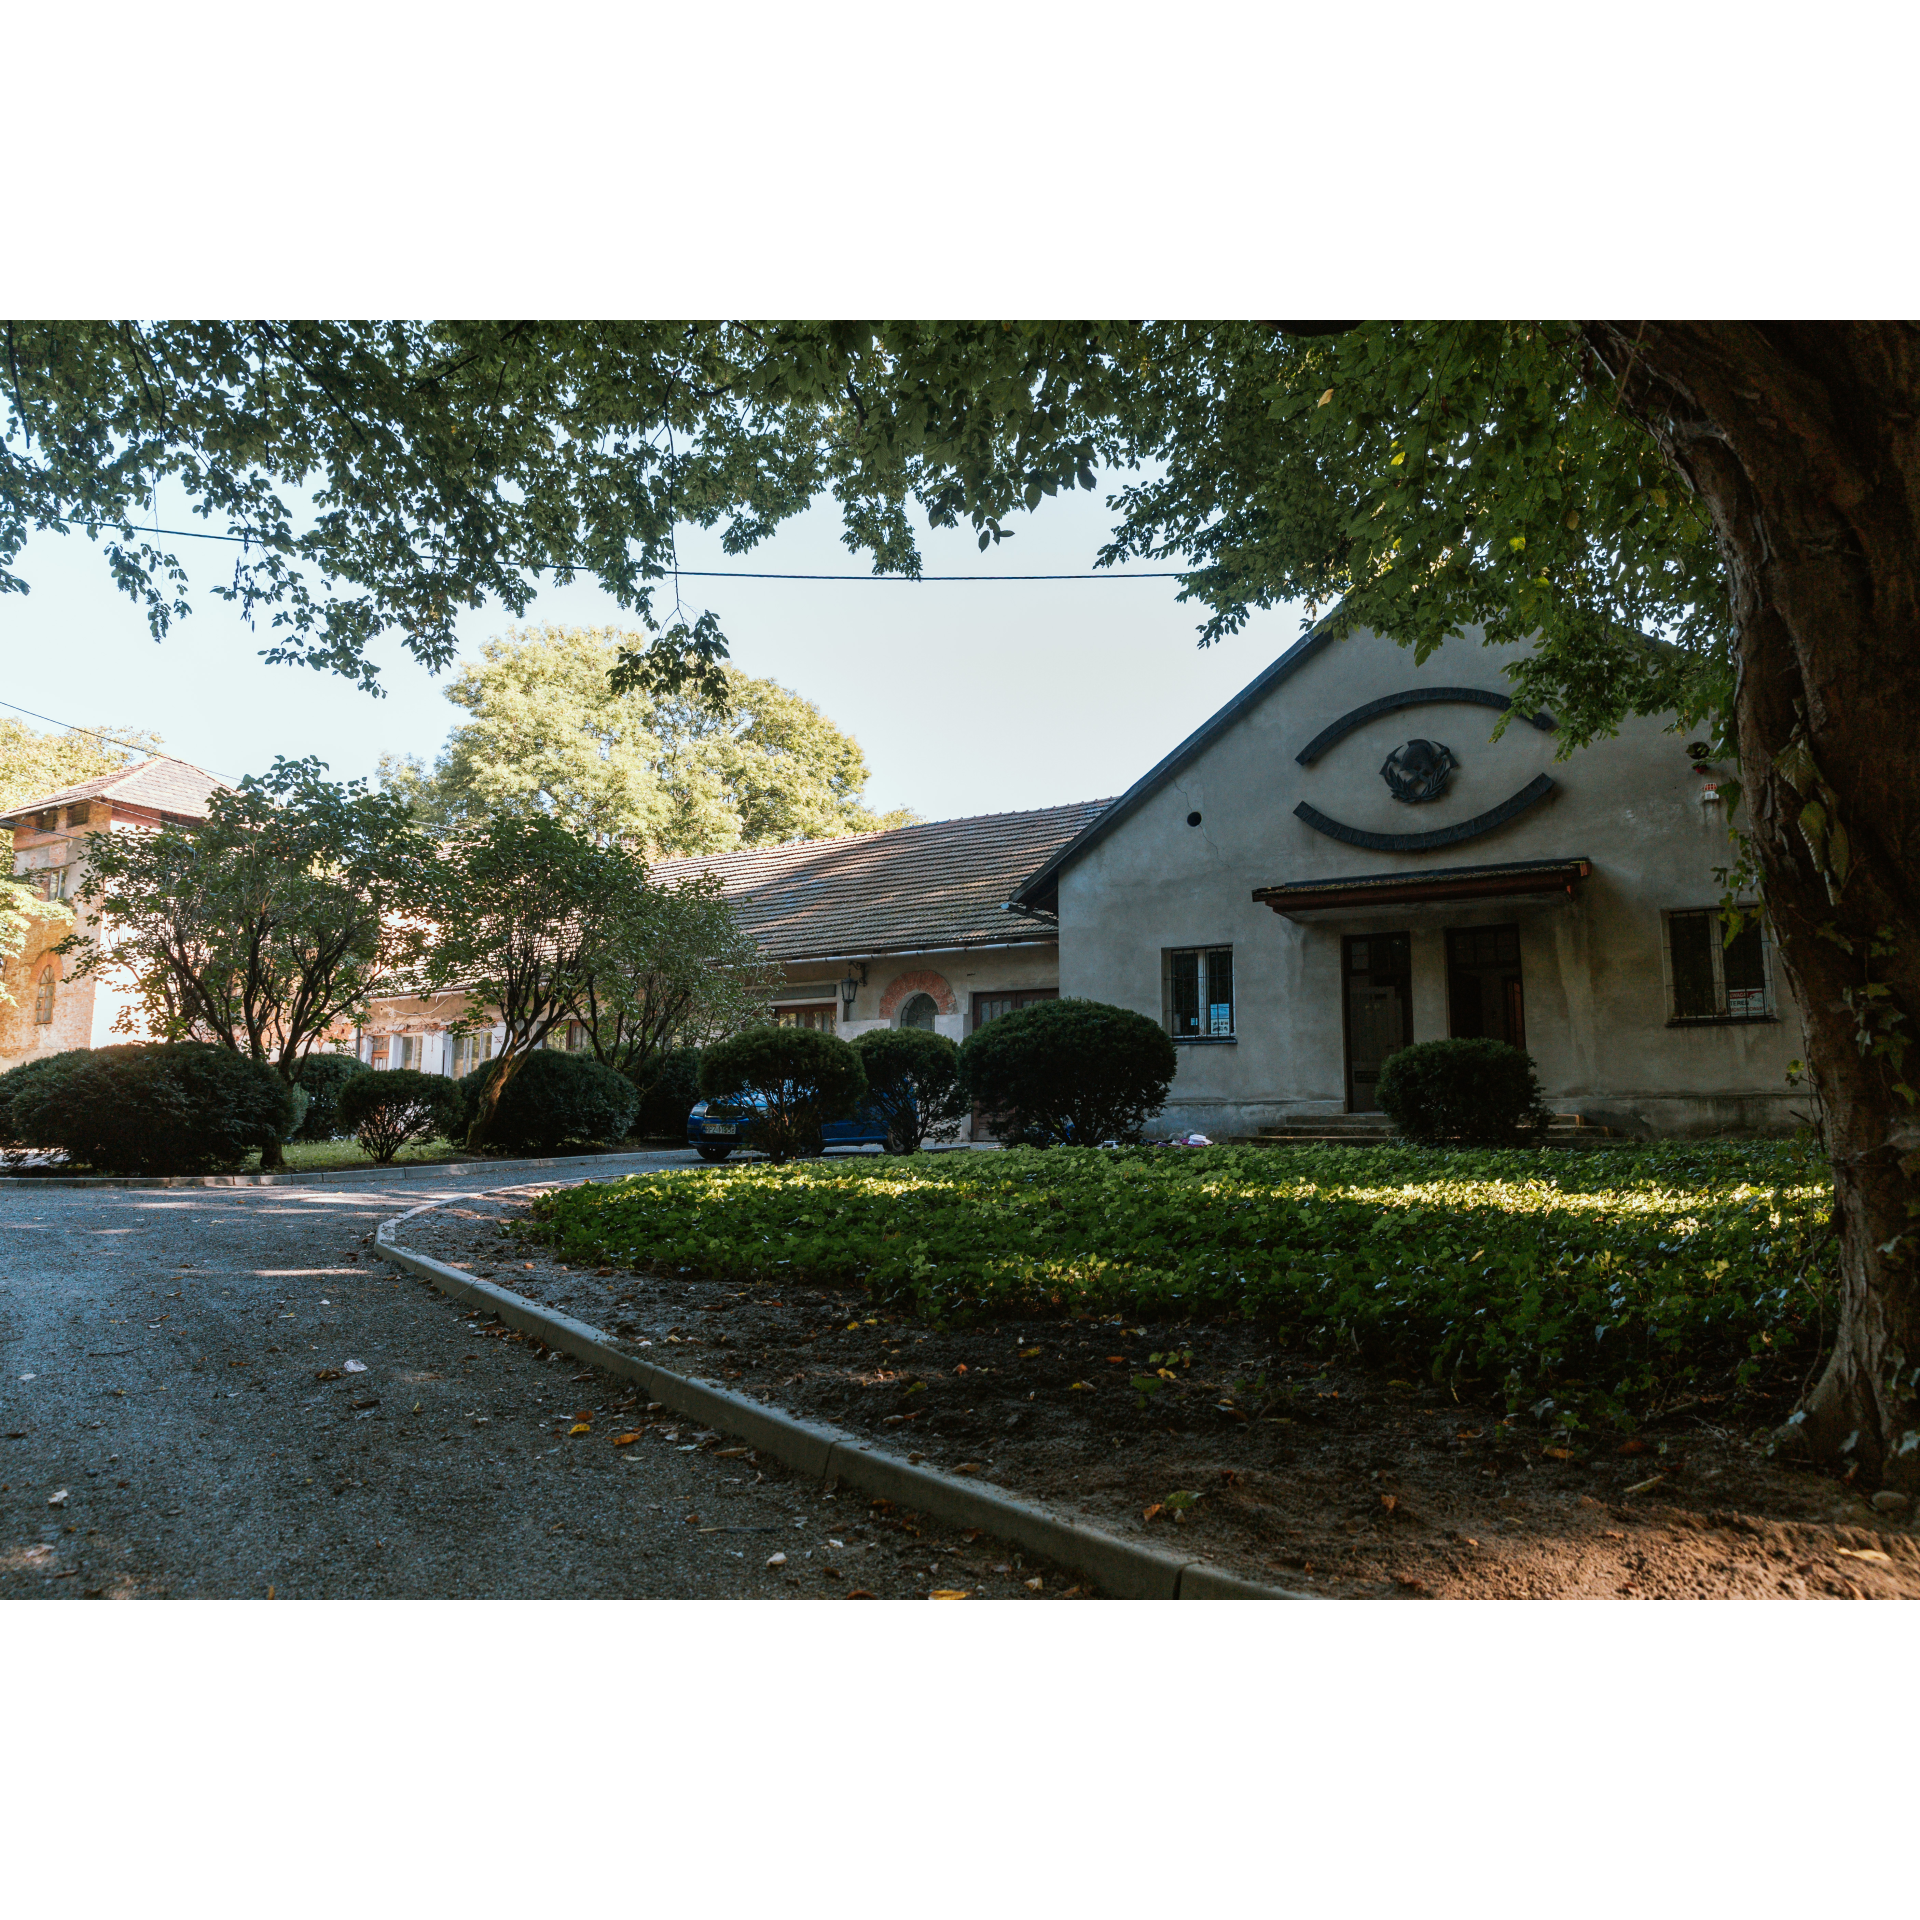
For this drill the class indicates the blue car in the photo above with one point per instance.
(716, 1127)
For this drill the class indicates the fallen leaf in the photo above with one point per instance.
(1157, 1507)
(57, 1499)
(859, 1593)
(1029, 1353)
(1631, 1446)
(1557, 1453)
(830, 1573)
(731, 1453)
(353, 1366)
(1877, 1558)
(948, 1593)
(579, 1426)
(961, 1368)
(1081, 1386)
(1408, 1584)
(1116, 1359)
(778, 1560)
(968, 1466)
(1644, 1486)
(328, 1373)
(626, 1439)
(1034, 1585)
(1389, 1501)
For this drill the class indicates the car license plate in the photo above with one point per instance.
(721, 1126)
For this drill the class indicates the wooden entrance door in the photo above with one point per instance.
(1485, 1000)
(990, 1006)
(1377, 979)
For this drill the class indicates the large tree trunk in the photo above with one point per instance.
(1803, 441)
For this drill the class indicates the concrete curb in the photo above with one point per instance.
(1122, 1568)
(405, 1170)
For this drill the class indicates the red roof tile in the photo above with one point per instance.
(908, 890)
(160, 785)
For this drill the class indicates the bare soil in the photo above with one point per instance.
(1327, 1480)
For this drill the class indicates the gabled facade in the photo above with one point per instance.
(49, 1010)
(1343, 860)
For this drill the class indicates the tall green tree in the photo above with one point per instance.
(521, 914)
(666, 774)
(676, 970)
(1748, 493)
(283, 912)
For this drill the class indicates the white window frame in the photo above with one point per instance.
(1210, 1009)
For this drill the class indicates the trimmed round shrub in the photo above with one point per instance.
(551, 1100)
(1074, 1071)
(324, 1075)
(186, 1108)
(383, 1111)
(20, 1079)
(668, 1085)
(1481, 1093)
(797, 1077)
(913, 1077)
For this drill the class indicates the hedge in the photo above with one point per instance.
(181, 1109)
(552, 1100)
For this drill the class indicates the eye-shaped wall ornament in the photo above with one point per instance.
(1420, 770)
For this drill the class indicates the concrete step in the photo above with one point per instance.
(1369, 1130)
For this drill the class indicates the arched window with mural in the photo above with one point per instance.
(43, 994)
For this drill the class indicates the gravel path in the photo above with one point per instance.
(169, 1431)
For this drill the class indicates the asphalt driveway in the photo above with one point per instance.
(168, 1432)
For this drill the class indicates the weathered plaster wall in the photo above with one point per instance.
(1595, 990)
(963, 972)
(86, 1011)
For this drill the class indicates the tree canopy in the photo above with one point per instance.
(665, 774)
(1714, 519)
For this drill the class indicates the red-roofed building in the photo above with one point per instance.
(49, 1011)
(906, 928)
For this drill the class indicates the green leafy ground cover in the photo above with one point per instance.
(1609, 1281)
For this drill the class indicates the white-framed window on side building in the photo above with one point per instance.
(820, 1017)
(1710, 977)
(1198, 989)
(469, 1050)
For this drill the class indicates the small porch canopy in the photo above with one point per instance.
(1363, 893)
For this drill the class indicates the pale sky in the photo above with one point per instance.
(967, 699)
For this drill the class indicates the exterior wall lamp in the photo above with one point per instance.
(851, 985)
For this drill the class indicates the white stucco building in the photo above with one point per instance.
(1342, 860)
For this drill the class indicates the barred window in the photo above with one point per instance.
(1199, 993)
(1711, 977)
(43, 995)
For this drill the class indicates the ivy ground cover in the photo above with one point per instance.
(1615, 1279)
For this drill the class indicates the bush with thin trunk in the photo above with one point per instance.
(551, 1100)
(796, 1078)
(383, 1111)
(1075, 1071)
(914, 1079)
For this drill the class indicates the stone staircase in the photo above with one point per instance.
(1372, 1130)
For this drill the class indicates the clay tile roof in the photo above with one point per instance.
(159, 785)
(944, 884)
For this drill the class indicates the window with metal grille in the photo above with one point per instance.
(1199, 993)
(1711, 977)
(43, 995)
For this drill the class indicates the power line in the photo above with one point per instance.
(698, 573)
(106, 739)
